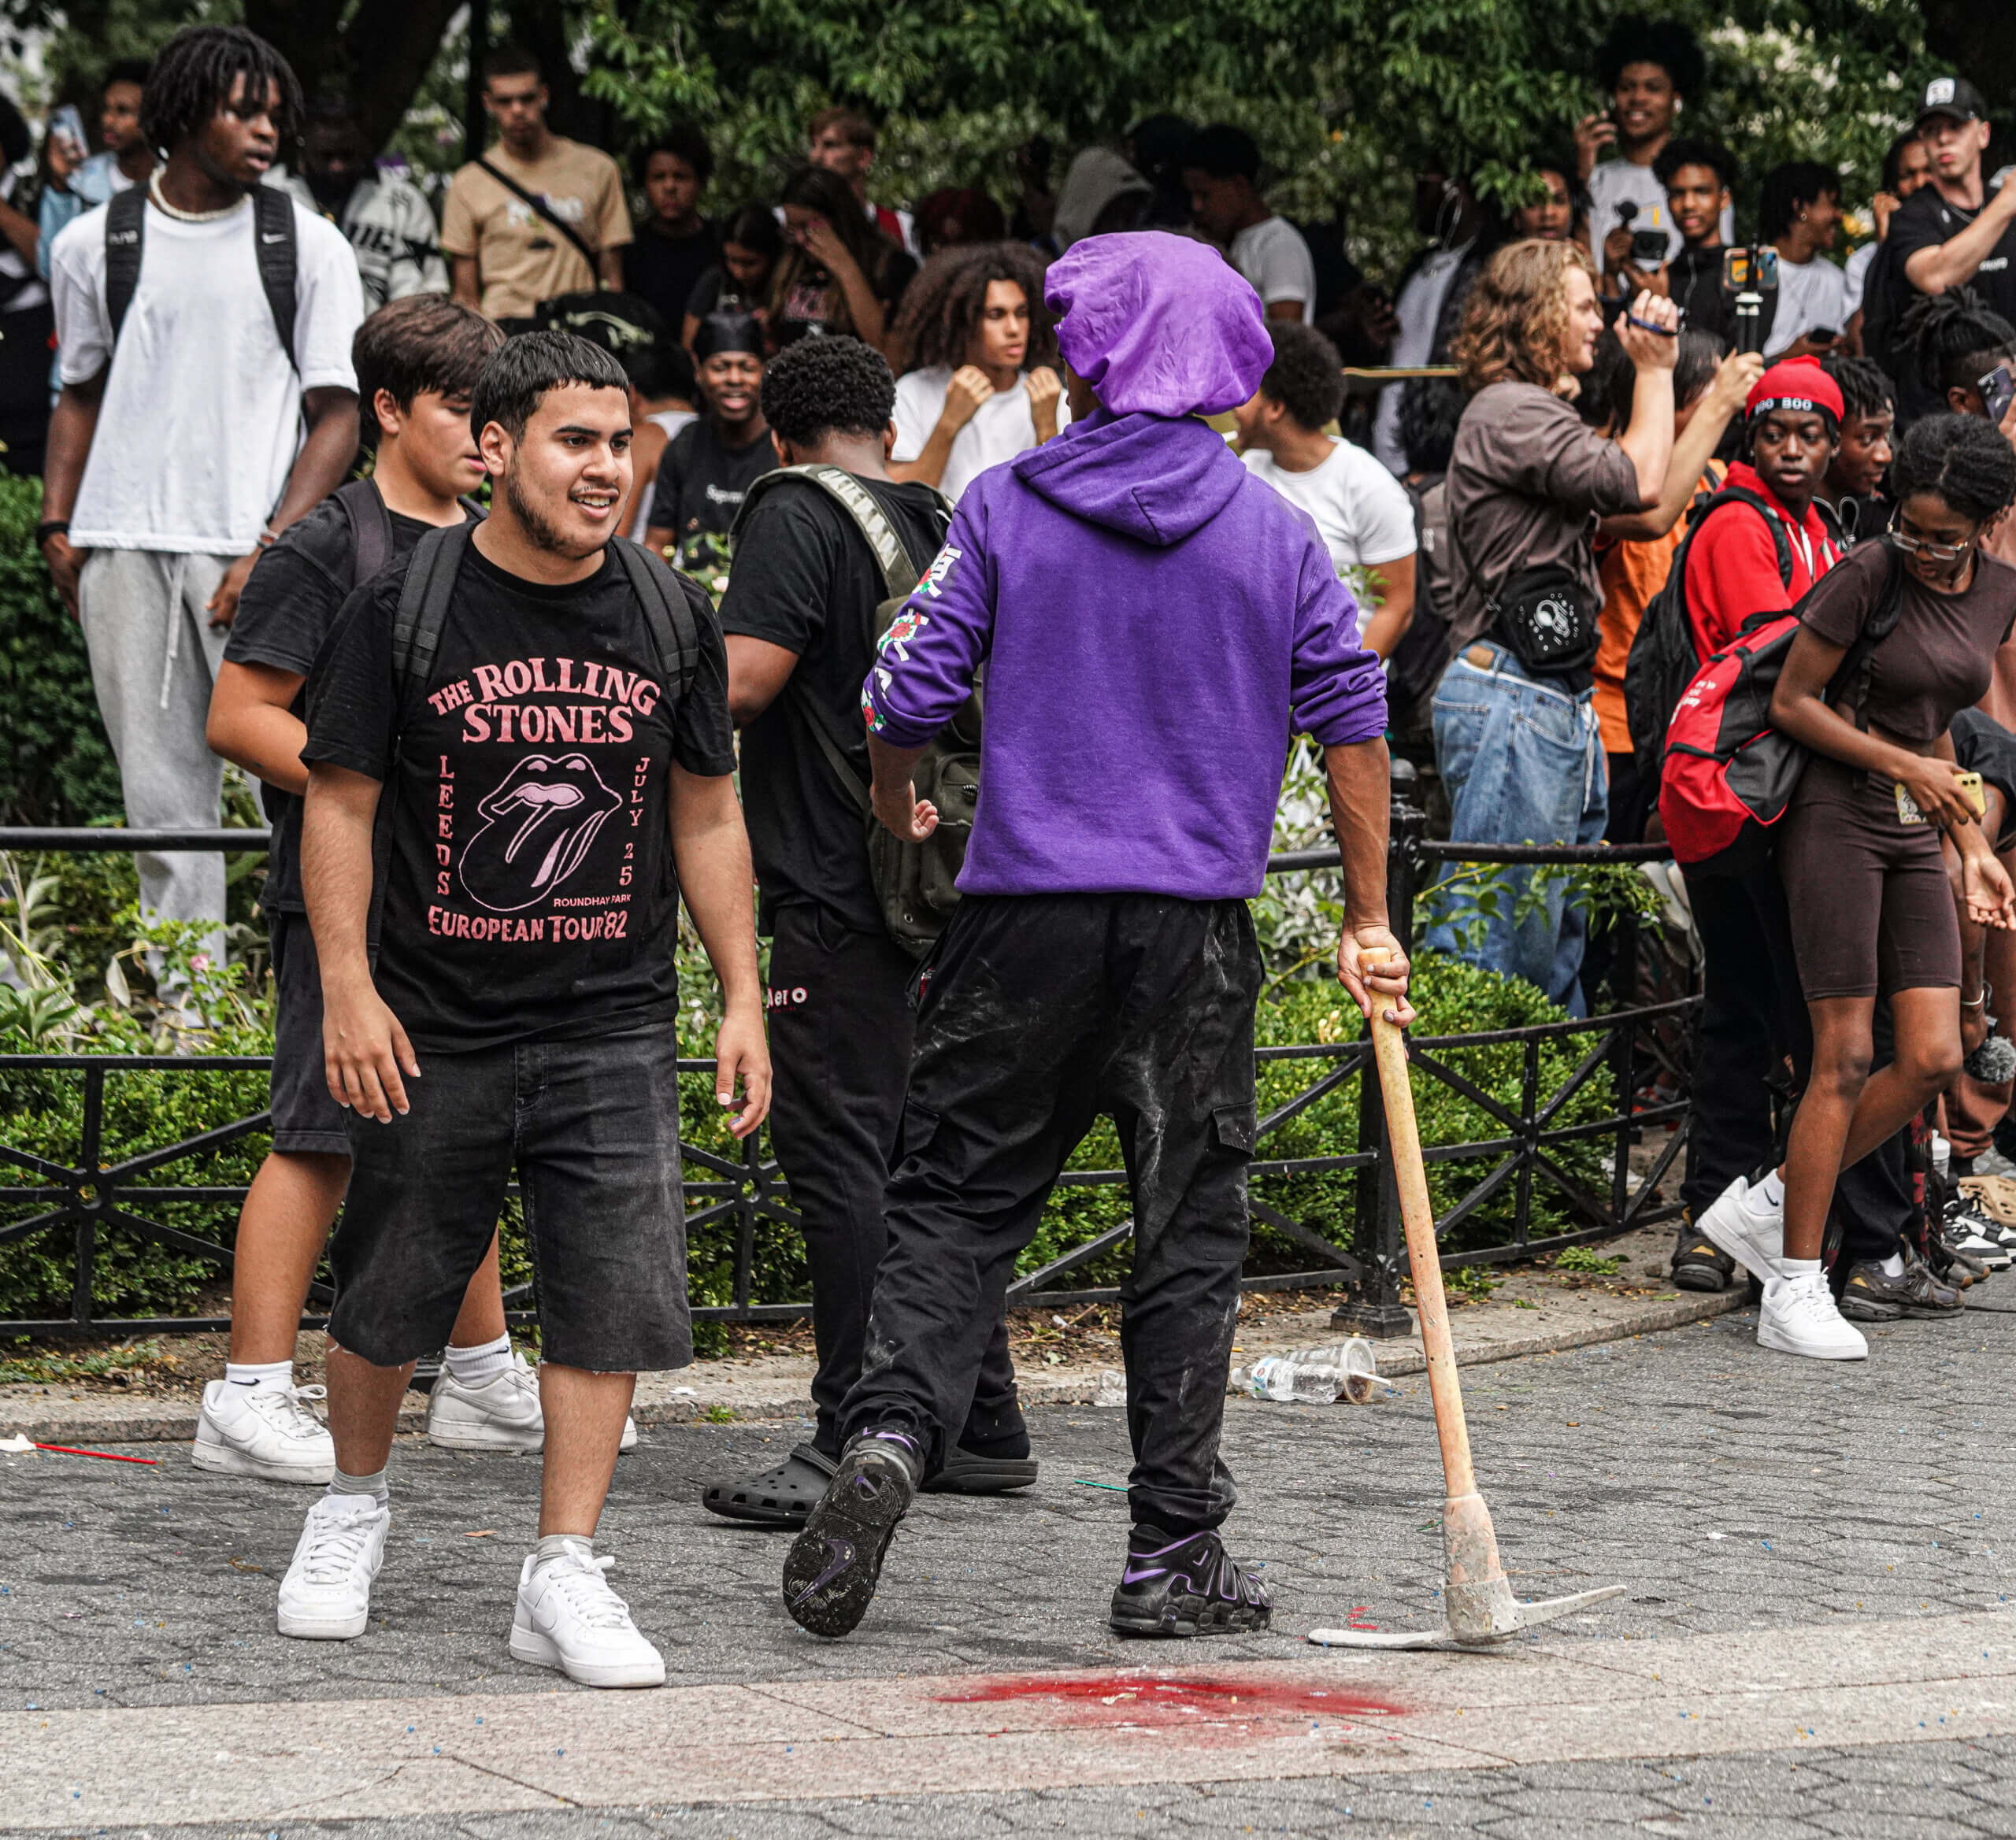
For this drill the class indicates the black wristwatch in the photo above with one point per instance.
(49, 528)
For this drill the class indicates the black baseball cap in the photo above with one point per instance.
(1953, 96)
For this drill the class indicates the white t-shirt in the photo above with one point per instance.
(201, 419)
(1854, 273)
(1616, 180)
(1416, 311)
(1810, 294)
(1002, 427)
(1273, 256)
(1361, 510)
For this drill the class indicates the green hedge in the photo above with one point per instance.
(56, 766)
(42, 1113)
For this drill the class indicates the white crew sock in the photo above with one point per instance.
(478, 1366)
(1791, 1269)
(272, 1376)
(1772, 1189)
(1893, 1267)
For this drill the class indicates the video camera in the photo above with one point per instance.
(1748, 274)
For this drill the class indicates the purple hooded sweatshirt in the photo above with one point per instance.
(1155, 621)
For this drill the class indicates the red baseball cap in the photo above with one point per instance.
(1795, 383)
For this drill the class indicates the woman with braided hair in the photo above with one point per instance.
(984, 385)
(1954, 340)
(1858, 850)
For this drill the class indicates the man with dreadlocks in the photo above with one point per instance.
(201, 324)
(984, 388)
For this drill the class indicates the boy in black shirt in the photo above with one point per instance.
(1699, 176)
(416, 361)
(531, 720)
(709, 466)
(799, 615)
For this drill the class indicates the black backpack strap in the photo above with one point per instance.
(277, 245)
(424, 602)
(125, 220)
(370, 528)
(667, 599)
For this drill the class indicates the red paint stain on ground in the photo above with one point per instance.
(1136, 1699)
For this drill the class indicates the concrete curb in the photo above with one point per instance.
(45, 1419)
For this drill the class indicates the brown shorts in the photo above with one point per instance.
(1871, 907)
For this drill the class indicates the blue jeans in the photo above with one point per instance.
(1523, 763)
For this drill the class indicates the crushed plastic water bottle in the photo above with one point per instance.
(1110, 1389)
(1316, 1376)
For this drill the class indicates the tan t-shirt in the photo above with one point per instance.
(522, 259)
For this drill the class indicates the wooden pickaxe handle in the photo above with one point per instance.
(1389, 1048)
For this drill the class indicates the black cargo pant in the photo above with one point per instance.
(1753, 1017)
(841, 1027)
(1040, 1013)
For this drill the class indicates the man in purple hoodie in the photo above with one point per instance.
(1155, 623)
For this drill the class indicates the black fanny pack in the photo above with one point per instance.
(1547, 618)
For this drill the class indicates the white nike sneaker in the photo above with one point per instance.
(569, 1618)
(1799, 1316)
(1745, 1227)
(502, 1414)
(264, 1431)
(326, 1595)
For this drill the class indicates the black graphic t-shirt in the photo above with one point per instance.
(702, 483)
(292, 600)
(805, 578)
(528, 892)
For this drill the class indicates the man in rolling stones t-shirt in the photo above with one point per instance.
(529, 718)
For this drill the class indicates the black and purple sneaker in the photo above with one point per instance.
(1186, 1586)
(831, 1573)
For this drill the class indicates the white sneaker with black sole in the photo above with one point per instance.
(1742, 1224)
(1799, 1316)
(569, 1618)
(502, 1414)
(266, 1431)
(326, 1595)
(1970, 1228)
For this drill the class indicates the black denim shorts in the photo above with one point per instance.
(306, 1118)
(593, 1128)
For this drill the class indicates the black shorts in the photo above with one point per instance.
(305, 1119)
(593, 1128)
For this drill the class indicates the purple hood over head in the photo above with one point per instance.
(1158, 324)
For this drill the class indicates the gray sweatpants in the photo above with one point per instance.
(153, 658)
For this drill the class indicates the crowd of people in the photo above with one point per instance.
(1101, 452)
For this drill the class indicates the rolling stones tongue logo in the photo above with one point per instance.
(538, 827)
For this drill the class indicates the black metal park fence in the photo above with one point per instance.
(1580, 1086)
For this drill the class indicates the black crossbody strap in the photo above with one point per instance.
(543, 208)
(277, 244)
(669, 611)
(125, 221)
(437, 558)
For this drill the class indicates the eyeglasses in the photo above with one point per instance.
(1913, 545)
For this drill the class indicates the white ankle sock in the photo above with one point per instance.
(372, 1485)
(552, 1546)
(273, 1376)
(478, 1366)
(1800, 1268)
(1773, 1190)
(1893, 1267)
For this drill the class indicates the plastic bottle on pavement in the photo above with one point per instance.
(1316, 1376)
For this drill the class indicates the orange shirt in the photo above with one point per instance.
(1632, 574)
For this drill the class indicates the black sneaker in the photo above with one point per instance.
(1870, 1296)
(1186, 1586)
(1698, 1263)
(830, 1574)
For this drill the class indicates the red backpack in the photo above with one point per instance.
(1729, 775)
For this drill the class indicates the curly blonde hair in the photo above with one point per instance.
(1515, 322)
